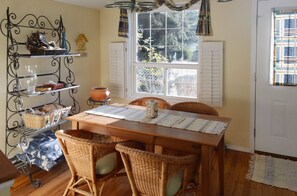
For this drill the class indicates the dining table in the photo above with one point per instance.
(173, 137)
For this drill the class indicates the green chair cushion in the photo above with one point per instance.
(174, 183)
(106, 164)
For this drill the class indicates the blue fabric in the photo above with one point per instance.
(43, 150)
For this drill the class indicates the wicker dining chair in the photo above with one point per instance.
(156, 174)
(199, 108)
(92, 159)
(162, 104)
(195, 107)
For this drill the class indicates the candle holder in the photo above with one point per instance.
(151, 108)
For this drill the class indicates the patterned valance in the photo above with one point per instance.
(204, 21)
(173, 6)
(123, 24)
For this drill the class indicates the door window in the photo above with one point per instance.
(284, 47)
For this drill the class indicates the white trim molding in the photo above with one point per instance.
(253, 74)
(238, 148)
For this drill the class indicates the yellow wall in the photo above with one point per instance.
(76, 20)
(109, 22)
(231, 24)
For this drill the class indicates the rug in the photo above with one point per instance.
(273, 171)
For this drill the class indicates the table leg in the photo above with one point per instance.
(74, 125)
(221, 160)
(205, 169)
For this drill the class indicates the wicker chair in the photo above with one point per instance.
(153, 174)
(162, 104)
(82, 150)
(195, 107)
(199, 108)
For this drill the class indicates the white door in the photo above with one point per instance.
(276, 106)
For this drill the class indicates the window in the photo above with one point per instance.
(163, 60)
(166, 54)
(289, 54)
(284, 47)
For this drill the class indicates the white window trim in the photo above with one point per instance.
(130, 71)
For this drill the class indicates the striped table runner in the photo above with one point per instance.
(167, 120)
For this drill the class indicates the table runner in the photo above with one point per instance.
(167, 120)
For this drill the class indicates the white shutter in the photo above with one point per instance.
(211, 73)
(117, 62)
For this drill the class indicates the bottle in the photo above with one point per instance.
(31, 78)
(64, 42)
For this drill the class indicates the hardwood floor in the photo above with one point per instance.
(236, 167)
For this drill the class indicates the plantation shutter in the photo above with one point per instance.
(117, 63)
(211, 73)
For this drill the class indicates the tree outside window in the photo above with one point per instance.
(165, 38)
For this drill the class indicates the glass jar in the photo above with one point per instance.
(31, 78)
(151, 109)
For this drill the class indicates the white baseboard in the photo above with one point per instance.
(238, 148)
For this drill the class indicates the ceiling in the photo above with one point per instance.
(95, 4)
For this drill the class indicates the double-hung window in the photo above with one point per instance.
(165, 54)
(166, 59)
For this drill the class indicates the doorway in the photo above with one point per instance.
(276, 78)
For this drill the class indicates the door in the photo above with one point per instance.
(276, 75)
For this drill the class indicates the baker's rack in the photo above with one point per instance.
(12, 28)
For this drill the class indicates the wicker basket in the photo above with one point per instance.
(37, 121)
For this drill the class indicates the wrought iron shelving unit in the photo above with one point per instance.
(13, 29)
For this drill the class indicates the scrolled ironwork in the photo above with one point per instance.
(11, 136)
(3, 26)
(11, 27)
(32, 21)
(55, 62)
(16, 102)
(71, 77)
(75, 107)
(14, 121)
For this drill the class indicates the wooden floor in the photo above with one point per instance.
(236, 167)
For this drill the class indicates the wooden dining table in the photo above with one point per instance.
(173, 138)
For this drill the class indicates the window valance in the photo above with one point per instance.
(204, 22)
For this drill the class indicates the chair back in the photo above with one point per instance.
(162, 104)
(149, 173)
(195, 107)
(81, 152)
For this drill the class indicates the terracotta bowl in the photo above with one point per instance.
(99, 93)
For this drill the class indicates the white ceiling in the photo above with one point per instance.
(95, 4)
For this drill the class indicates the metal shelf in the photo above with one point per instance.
(24, 94)
(15, 131)
(47, 56)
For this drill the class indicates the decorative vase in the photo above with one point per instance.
(151, 109)
(31, 79)
(99, 93)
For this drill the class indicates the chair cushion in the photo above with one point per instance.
(106, 164)
(42, 150)
(174, 183)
